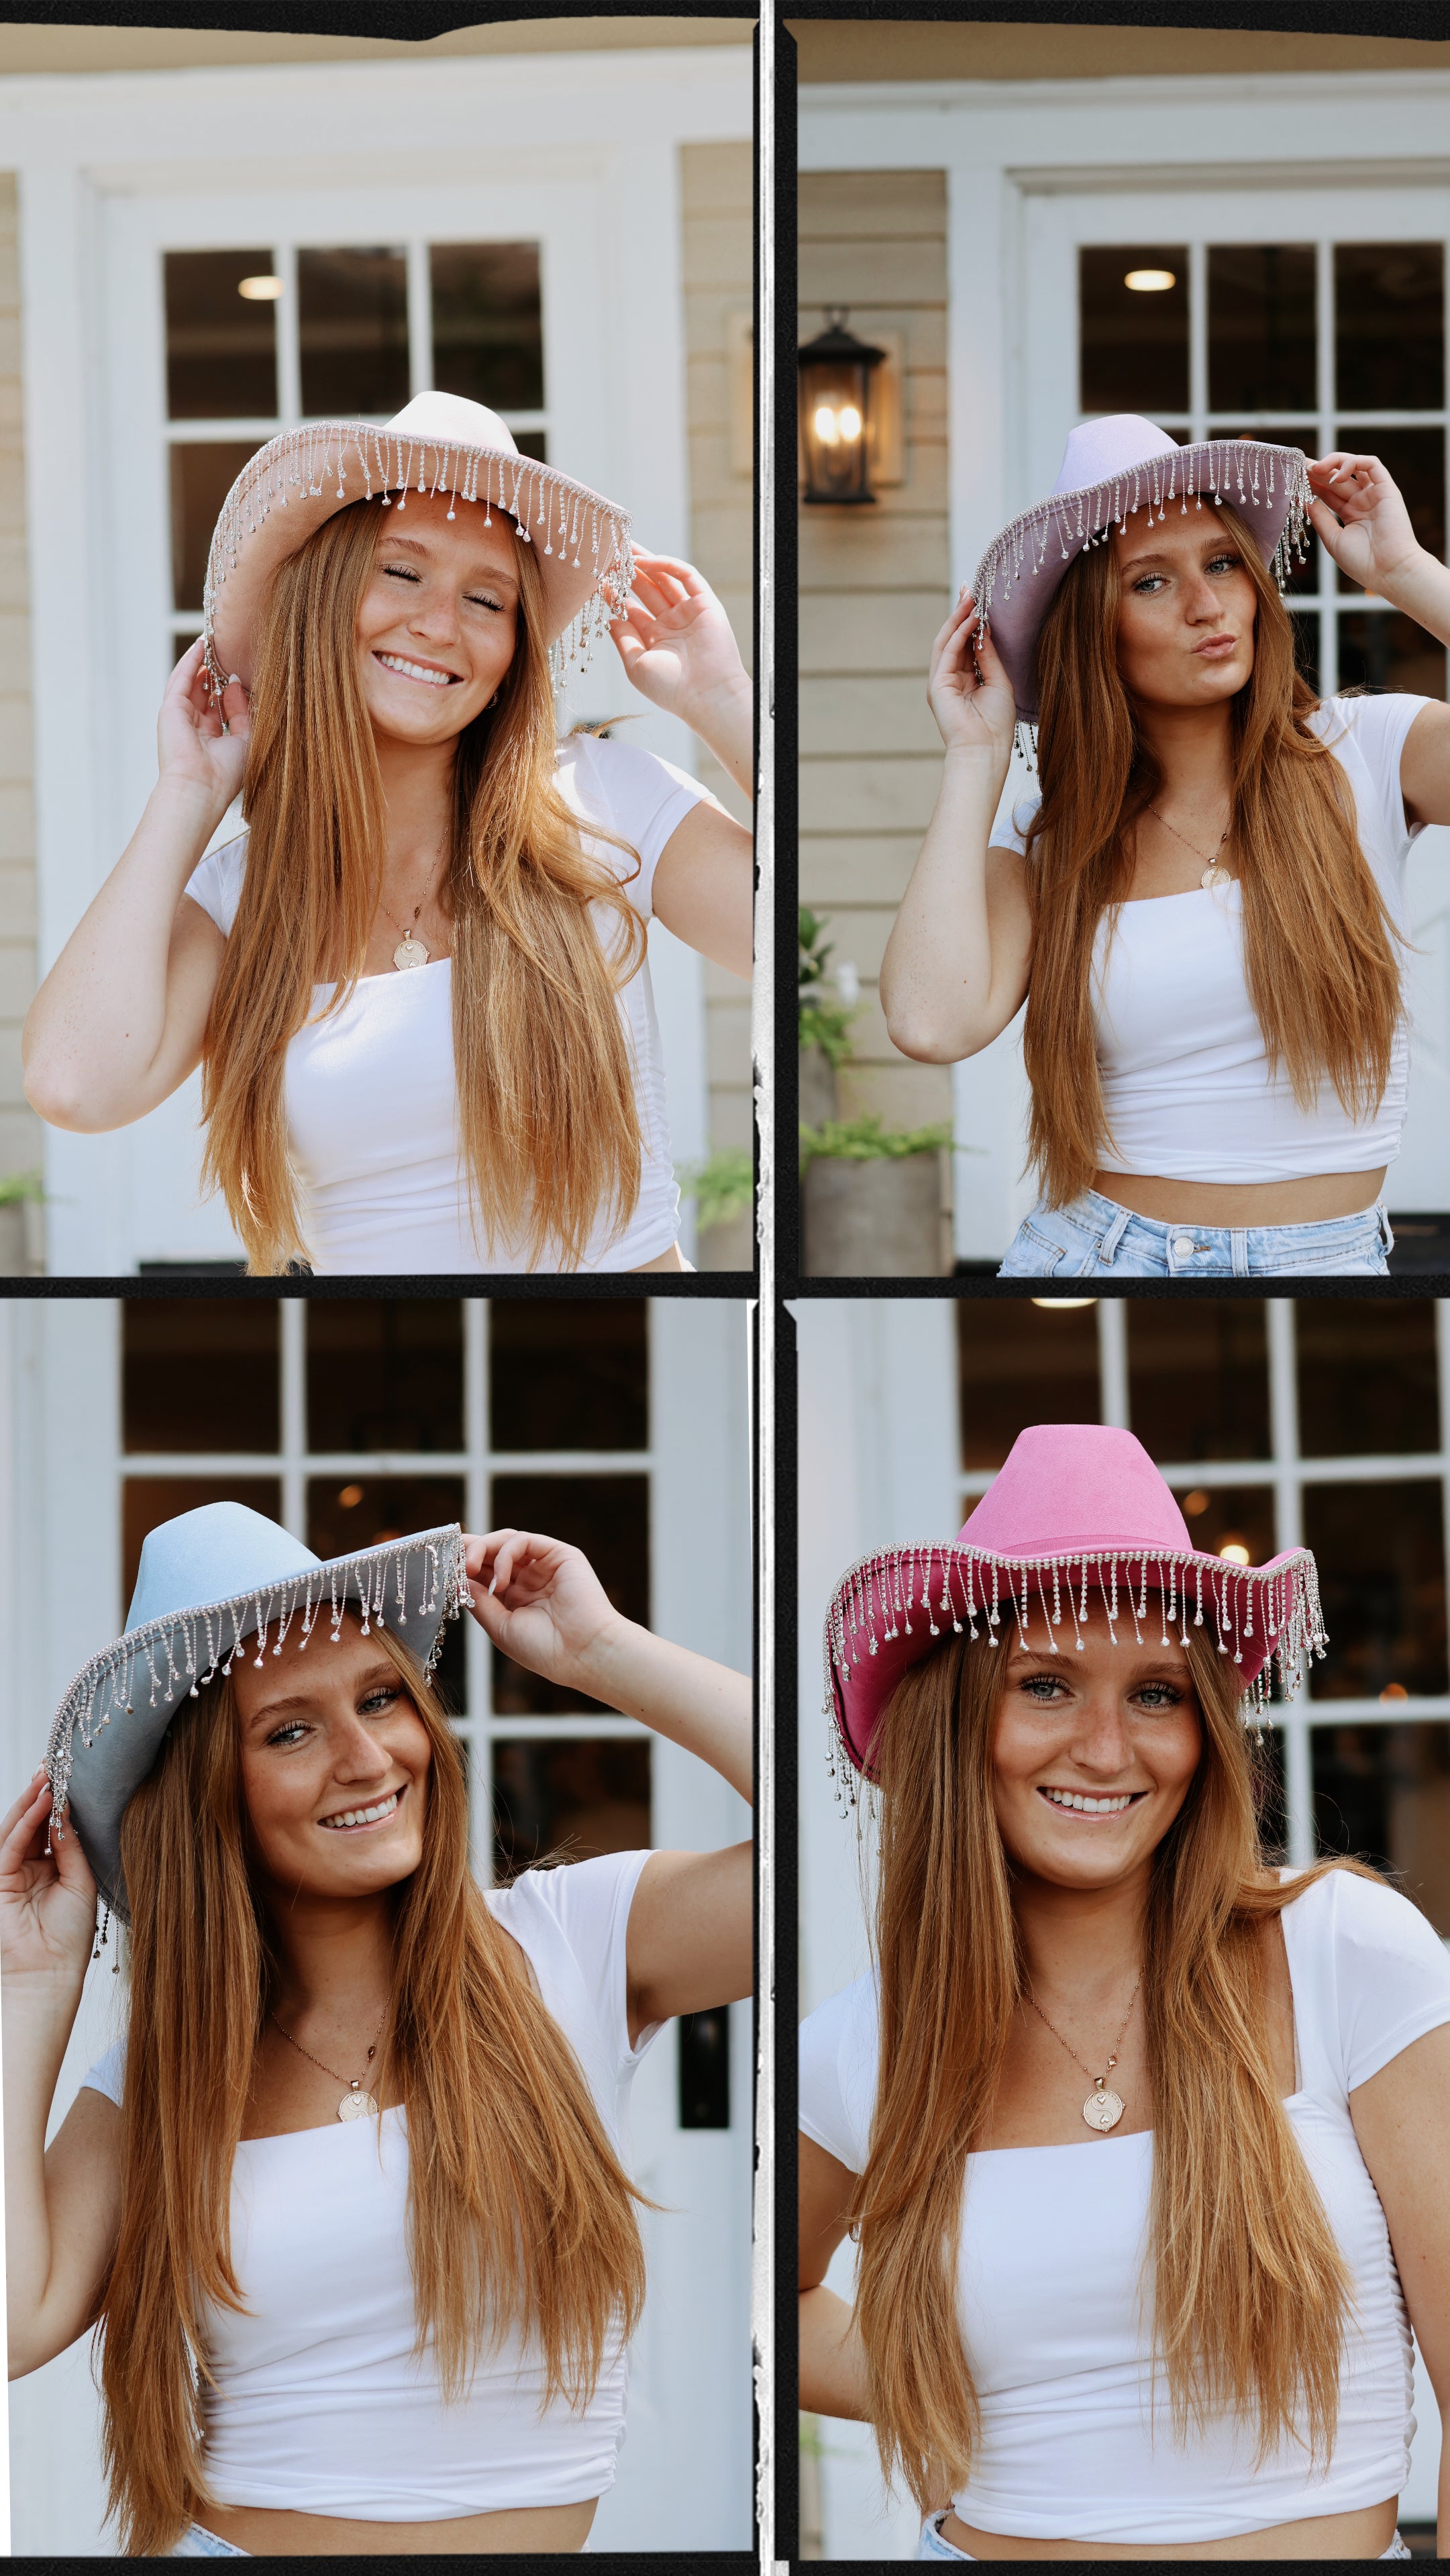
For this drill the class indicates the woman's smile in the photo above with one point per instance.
(432, 673)
(357, 1819)
(1089, 1802)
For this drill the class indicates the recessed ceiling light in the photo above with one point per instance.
(1195, 1502)
(1234, 1551)
(1150, 281)
(1064, 1301)
(265, 290)
(350, 1497)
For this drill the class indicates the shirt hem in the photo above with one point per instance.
(1138, 2524)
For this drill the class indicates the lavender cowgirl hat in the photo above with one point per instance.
(210, 1583)
(1110, 469)
(1078, 1518)
(438, 443)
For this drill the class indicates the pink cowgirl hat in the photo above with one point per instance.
(1078, 1515)
(1110, 468)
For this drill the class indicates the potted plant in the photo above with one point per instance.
(874, 1200)
(20, 1255)
(723, 1190)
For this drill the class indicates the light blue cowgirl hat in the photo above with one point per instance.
(209, 1583)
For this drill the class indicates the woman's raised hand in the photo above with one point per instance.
(540, 1602)
(967, 688)
(193, 749)
(676, 642)
(1361, 519)
(47, 1897)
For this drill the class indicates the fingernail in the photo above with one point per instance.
(234, 679)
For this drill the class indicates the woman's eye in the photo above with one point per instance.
(1224, 563)
(290, 1734)
(479, 599)
(1043, 1687)
(400, 572)
(1159, 1695)
(1150, 582)
(377, 1701)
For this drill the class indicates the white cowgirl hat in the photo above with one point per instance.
(1110, 468)
(210, 1582)
(438, 443)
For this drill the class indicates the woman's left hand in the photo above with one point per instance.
(540, 1602)
(677, 644)
(1361, 519)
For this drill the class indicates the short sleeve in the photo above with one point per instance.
(633, 793)
(1378, 727)
(217, 884)
(1378, 1973)
(589, 1902)
(838, 2074)
(1009, 831)
(108, 2075)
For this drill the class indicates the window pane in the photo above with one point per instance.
(201, 478)
(147, 1501)
(568, 1376)
(1380, 649)
(352, 314)
(1222, 1517)
(488, 340)
(1382, 1793)
(1198, 1377)
(1389, 326)
(571, 1797)
(1416, 459)
(1303, 581)
(704, 2069)
(606, 1516)
(1368, 1380)
(1134, 344)
(384, 1373)
(345, 1516)
(198, 1373)
(532, 442)
(1019, 1362)
(1261, 327)
(1381, 1556)
(221, 345)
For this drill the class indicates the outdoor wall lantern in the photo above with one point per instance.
(835, 409)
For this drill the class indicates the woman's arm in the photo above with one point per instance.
(690, 1925)
(1402, 2121)
(118, 1022)
(61, 2208)
(960, 951)
(704, 887)
(1361, 520)
(832, 2364)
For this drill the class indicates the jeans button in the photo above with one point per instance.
(1183, 1245)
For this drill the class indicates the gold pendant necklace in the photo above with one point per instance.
(410, 950)
(355, 2103)
(1213, 875)
(1103, 2109)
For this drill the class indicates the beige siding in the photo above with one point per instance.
(715, 188)
(35, 48)
(873, 591)
(882, 49)
(20, 1129)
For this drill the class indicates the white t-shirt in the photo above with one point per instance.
(320, 2405)
(1052, 2247)
(1186, 1082)
(370, 1090)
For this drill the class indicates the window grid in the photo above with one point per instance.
(1322, 428)
(1286, 1474)
(183, 623)
(479, 1724)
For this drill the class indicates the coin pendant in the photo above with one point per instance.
(1102, 2110)
(409, 952)
(361, 2106)
(1213, 878)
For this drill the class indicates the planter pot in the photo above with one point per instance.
(875, 1220)
(820, 1098)
(727, 1247)
(16, 1261)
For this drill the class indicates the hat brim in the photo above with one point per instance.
(111, 1723)
(301, 479)
(1022, 570)
(892, 1608)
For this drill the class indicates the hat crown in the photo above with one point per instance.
(1098, 449)
(216, 1553)
(450, 420)
(1077, 1487)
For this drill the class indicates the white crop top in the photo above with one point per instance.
(371, 1097)
(1185, 1078)
(1052, 2246)
(320, 2404)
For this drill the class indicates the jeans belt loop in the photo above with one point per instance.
(1239, 1240)
(1107, 1249)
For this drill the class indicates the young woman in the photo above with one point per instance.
(1145, 2144)
(1204, 906)
(416, 983)
(408, 2333)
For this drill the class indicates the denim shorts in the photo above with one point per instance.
(932, 2545)
(1094, 1238)
(197, 2543)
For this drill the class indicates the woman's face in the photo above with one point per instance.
(335, 1762)
(439, 618)
(1092, 1753)
(1186, 612)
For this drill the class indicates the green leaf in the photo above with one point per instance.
(868, 1140)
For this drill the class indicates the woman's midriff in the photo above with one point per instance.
(1314, 1201)
(264, 2534)
(1329, 2535)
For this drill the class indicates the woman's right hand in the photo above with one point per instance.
(967, 687)
(47, 1898)
(192, 748)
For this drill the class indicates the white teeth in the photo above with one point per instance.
(414, 670)
(1087, 1806)
(361, 1815)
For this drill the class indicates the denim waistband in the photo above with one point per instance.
(1093, 1236)
(932, 2545)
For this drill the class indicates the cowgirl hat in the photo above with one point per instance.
(210, 1583)
(438, 443)
(1110, 468)
(1078, 1517)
